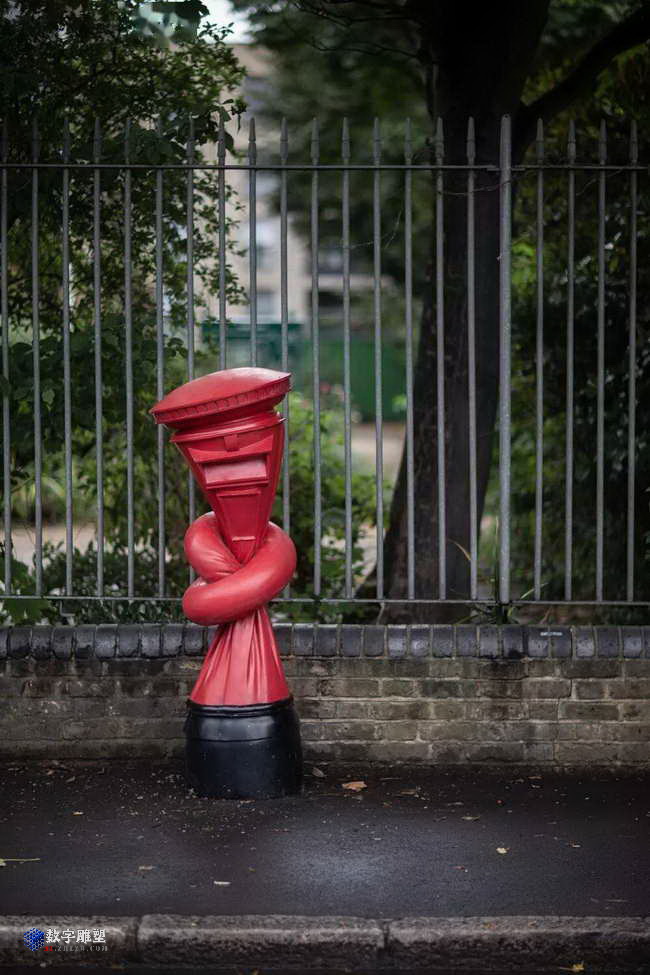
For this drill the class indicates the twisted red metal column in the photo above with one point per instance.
(242, 665)
(242, 731)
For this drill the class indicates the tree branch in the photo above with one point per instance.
(630, 32)
(318, 10)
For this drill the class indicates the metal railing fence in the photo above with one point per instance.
(80, 266)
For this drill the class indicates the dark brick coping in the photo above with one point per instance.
(511, 642)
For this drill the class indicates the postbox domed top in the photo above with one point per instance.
(228, 393)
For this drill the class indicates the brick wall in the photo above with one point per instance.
(438, 694)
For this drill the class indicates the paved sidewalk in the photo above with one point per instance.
(124, 840)
(130, 838)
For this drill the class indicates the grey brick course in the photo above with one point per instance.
(171, 644)
(374, 638)
(442, 641)
(608, 641)
(20, 641)
(84, 642)
(351, 639)
(62, 642)
(151, 641)
(326, 641)
(193, 640)
(466, 641)
(105, 641)
(561, 641)
(632, 637)
(303, 639)
(538, 641)
(422, 694)
(420, 643)
(515, 641)
(128, 641)
(584, 642)
(397, 641)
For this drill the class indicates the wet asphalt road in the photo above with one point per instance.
(124, 838)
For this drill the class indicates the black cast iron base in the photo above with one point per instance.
(248, 752)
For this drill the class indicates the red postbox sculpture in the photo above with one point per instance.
(243, 738)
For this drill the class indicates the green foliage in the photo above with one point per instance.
(617, 100)
(327, 68)
(72, 68)
(337, 60)
(301, 493)
(169, 21)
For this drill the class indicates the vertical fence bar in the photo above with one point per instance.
(160, 367)
(97, 315)
(505, 355)
(128, 362)
(189, 219)
(347, 394)
(315, 338)
(471, 358)
(379, 421)
(408, 315)
(221, 160)
(252, 237)
(440, 365)
(6, 411)
(539, 366)
(600, 377)
(631, 391)
(36, 359)
(284, 326)
(569, 407)
(67, 378)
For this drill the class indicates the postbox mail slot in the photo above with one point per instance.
(233, 472)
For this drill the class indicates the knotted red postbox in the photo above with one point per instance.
(242, 731)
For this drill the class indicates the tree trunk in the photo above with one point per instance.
(479, 67)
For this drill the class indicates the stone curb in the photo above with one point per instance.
(121, 940)
(511, 642)
(469, 945)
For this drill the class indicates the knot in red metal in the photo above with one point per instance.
(242, 665)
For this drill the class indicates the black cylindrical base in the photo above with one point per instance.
(248, 752)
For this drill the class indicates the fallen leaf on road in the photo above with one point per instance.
(409, 792)
(503, 849)
(354, 786)
(470, 819)
(5, 860)
(318, 773)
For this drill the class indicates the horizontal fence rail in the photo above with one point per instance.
(109, 269)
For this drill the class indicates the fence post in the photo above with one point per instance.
(505, 235)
